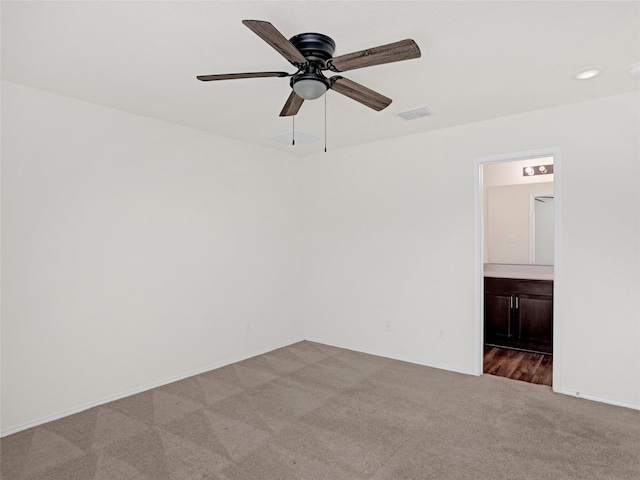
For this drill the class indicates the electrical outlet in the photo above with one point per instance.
(248, 326)
(387, 325)
(441, 336)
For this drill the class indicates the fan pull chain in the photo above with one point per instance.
(325, 123)
(293, 130)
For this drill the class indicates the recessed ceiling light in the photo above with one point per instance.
(634, 69)
(586, 73)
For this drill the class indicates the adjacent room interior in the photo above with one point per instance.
(519, 237)
(156, 228)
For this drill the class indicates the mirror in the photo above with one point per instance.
(543, 222)
(519, 224)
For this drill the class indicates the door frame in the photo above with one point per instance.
(479, 255)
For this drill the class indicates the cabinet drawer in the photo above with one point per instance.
(515, 285)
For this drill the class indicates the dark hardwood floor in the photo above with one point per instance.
(517, 365)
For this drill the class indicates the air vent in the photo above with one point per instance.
(300, 136)
(414, 113)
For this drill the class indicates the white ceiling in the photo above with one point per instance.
(480, 60)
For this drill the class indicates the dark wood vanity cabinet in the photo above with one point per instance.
(519, 313)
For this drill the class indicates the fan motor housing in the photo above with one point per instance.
(315, 47)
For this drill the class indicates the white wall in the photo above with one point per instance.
(390, 237)
(135, 251)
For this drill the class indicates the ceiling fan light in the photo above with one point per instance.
(309, 89)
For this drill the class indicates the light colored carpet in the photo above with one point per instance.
(309, 411)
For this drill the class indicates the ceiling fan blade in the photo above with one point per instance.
(293, 104)
(392, 52)
(232, 76)
(359, 93)
(273, 37)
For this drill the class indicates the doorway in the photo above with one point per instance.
(513, 340)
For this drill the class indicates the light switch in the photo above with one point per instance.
(511, 238)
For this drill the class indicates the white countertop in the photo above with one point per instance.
(527, 272)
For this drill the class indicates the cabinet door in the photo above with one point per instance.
(497, 316)
(535, 319)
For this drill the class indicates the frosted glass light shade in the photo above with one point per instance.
(309, 89)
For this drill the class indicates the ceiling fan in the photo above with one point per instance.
(312, 54)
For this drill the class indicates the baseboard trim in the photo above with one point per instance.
(81, 408)
(112, 398)
(401, 358)
(595, 398)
